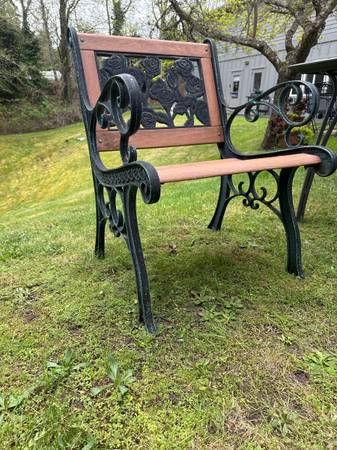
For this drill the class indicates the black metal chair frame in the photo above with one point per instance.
(122, 90)
(328, 124)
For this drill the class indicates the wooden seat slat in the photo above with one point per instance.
(231, 166)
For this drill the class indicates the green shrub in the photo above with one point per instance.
(23, 115)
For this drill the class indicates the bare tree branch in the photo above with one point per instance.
(317, 4)
(207, 30)
(290, 35)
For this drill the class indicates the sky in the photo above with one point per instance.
(93, 12)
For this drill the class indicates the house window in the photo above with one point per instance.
(257, 81)
(309, 77)
(236, 86)
(322, 82)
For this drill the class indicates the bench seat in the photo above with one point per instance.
(231, 166)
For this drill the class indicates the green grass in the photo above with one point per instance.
(246, 354)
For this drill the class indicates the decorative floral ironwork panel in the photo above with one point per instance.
(173, 91)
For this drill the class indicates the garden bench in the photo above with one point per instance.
(141, 93)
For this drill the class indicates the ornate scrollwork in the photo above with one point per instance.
(287, 97)
(140, 174)
(282, 108)
(121, 91)
(253, 195)
(110, 211)
(180, 92)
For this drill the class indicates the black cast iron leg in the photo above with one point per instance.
(294, 265)
(309, 178)
(216, 222)
(100, 221)
(133, 239)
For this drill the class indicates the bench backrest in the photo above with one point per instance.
(178, 80)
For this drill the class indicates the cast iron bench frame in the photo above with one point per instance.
(126, 87)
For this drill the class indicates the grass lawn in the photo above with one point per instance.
(245, 357)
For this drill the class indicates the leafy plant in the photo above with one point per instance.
(287, 340)
(200, 298)
(66, 365)
(57, 430)
(21, 294)
(306, 131)
(283, 422)
(320, 363)
(58, 371)
(231, 306)
(12, 401)
(55, 372)
(122, 379)
(211, 314)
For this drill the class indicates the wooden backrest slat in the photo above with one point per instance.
(123, 44)
(165, 137)
(212, 100)
(90, 75)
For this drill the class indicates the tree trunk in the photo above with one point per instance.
(118, 17)
(64, 53)
(108, 16)
(270, 137)
(25, 10)
(44, 15)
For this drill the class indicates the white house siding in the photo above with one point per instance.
(234, 62)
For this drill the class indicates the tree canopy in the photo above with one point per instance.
(19, 60)
(255, 23)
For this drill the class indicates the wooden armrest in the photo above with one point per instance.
(231, 166)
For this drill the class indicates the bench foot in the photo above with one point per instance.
(132, 238)
(288, 217)
(223, 200)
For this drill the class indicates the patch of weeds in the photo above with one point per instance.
(202, 366)
(52, 249)
(58, 371)
(144, 339)
(57, 430)
(11, 402)
(213, 314)
(232, 305)
(122, 379)
(321, 364)
(200, 298)
(287, 340)
(283, 422)
(252, 446)
(55, 373)
(12, 246)
(21, 294)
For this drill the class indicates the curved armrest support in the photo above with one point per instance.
(280, 108)
(119, 92)
(251, 111)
